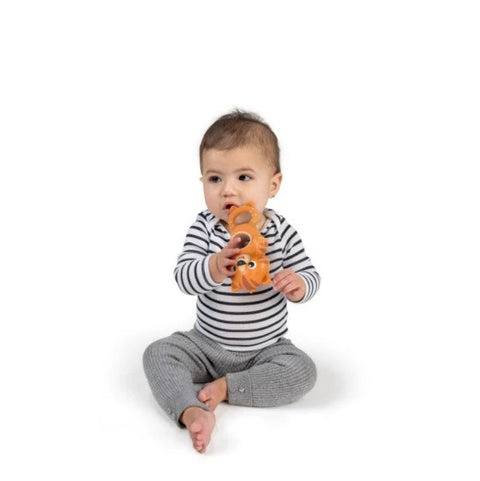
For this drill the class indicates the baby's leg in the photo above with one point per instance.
(171, 366)
(280, 374)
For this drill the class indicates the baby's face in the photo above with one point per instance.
(234, 177)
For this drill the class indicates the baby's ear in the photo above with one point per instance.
(275, 184)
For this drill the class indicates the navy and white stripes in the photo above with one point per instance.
(241, 321)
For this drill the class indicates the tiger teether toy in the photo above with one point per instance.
(253, 267)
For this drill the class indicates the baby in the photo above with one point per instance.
(237, 351)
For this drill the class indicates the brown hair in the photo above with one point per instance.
(239, 128)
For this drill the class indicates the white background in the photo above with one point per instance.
(376, 105)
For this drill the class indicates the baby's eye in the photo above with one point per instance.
(215, 179)
(244, 177)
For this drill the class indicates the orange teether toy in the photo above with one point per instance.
(253, 267)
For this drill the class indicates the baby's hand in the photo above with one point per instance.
(290, 284)
(221, 262)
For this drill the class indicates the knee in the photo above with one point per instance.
(299, 376)
(148, 356)
(294, 377)
(311, 372)
(153, 354)
(306, 374)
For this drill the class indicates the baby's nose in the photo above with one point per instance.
(228, 187)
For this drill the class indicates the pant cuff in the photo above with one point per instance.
(181, 402)
(240, 388)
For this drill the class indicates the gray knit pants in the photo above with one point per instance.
(179, 365)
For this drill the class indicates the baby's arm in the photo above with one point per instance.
(221, 262)
(299, 281)
(197, 270)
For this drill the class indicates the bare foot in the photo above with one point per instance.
(214, 393)
(200, 424)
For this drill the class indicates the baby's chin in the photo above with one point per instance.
(223, 216)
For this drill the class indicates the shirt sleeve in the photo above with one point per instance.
(192, 272)
(295, 258)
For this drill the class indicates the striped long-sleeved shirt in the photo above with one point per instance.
(241, 321)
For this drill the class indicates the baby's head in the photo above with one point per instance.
(240, 162)
(239, 129)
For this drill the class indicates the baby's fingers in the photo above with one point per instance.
(282, 279)
(234, 241)
(229, 253)
(226, 264)
(285, 286)
(230, 250)
(290, 287)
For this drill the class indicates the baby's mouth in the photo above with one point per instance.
(228, 205)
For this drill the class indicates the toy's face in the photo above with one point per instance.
(250, 272)
(244, 265)
(234, 177)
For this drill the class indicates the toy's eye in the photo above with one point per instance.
(234, 268)
(241, 263)
(252, 265)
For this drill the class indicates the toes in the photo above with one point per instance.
(199, 444)
(204, 395)
(197, 433)
(200, 432)
(195, 428)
